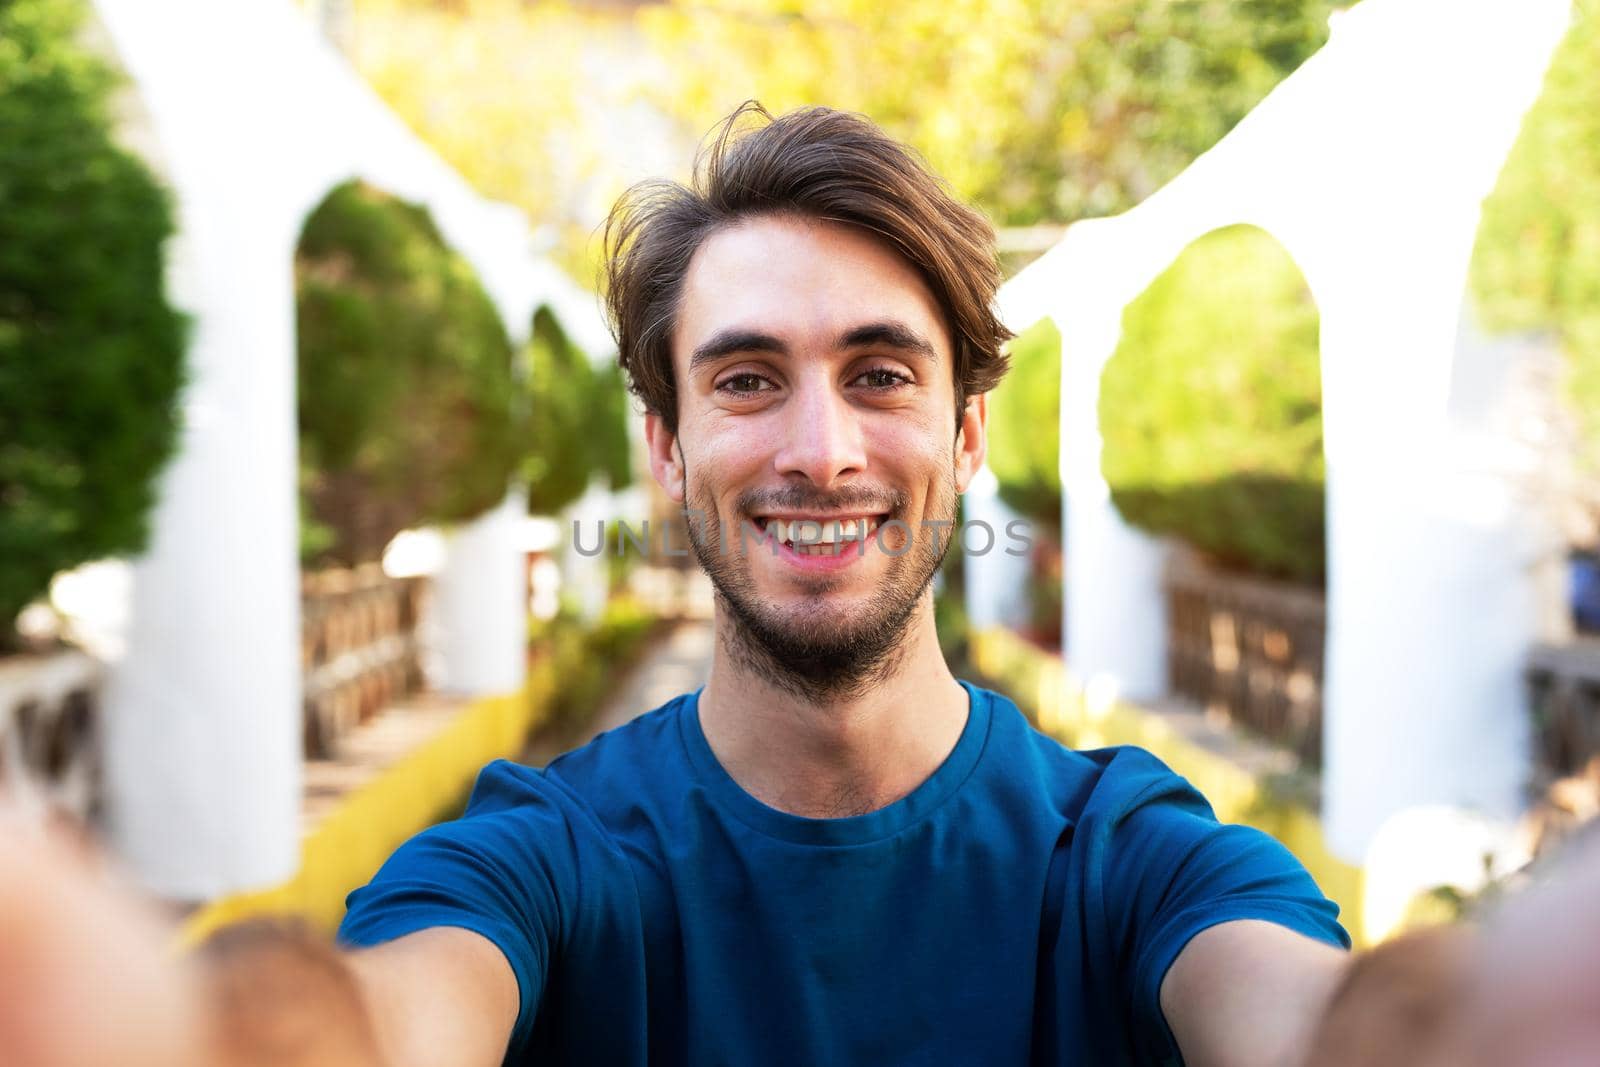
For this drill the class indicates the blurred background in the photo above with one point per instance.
(319, 486)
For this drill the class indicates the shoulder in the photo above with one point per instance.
(626, 759)
(1103, 784)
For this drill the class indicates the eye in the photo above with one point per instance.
(743, 384)
(883, 379)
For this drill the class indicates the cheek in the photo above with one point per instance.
(729, 460)
(914, 454)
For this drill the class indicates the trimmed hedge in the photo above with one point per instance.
(1025, 426)
(614, 454)
(407, 400)
(579, 427)
(561, 436)
(1211, 408)
(91, 353)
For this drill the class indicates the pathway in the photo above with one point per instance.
(676, 662)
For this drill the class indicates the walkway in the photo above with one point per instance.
(676, 662)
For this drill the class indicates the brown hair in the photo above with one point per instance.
(817, 163)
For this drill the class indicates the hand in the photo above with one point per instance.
(1534, 999)
(1522, 991)
(87, 974)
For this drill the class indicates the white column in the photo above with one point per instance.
(589, 577)
(203, 719)
(996, 581)
(1433, 580)
(480, 603)
(1116, 620)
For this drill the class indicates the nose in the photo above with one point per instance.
(822, 438)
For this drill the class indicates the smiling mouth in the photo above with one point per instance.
(820, 535)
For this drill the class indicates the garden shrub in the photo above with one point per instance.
(614, 455)
(564, 429)
(1025, 424)
(580, 665)
(579, 421)
(406, 396)
(1537, 261)
(91, 353)
(1211, 408)
(1025, 456)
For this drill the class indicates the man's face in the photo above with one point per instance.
(816, 404)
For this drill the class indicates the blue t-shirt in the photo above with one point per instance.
(1021, 906)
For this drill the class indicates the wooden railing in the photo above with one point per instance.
(359, 648)
(359, 651)
(1564, 693)
(1251, 649)
(1564, 696)
(50, 731)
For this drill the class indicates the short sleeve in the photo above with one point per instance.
(1171, 870)
(505, 870)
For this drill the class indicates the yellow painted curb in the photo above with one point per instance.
(347, 847)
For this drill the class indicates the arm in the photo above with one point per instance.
(1249, 993)
(275, 994)
(444, 988)
(88, 977)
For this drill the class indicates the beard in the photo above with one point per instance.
(814, 651)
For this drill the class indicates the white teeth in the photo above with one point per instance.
(815, 532)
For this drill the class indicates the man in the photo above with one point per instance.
(835, 852)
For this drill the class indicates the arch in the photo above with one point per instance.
(1211, 412)
(1372, 178)
(210, 688)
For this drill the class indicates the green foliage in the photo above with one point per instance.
(1038, 111)
(91, 353)
(522, 98)
(614, 458)
(1537, 261)
(1025, 426)
(578, 666)
(405, 377)
(1211, 408)
(579, 425)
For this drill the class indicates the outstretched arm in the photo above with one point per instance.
(1249, 994)
(89, 979)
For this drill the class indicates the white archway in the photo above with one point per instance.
(1369, 164)
(255, 119)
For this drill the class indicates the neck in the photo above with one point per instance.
(841, 755)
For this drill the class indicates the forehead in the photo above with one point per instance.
(803, 280)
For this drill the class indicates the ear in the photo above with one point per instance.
(972, 440)
(666, 459)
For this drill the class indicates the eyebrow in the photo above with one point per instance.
(730, 341)
(888, 334)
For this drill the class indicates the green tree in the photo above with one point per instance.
(566, 431)
(91, 353)
(614, 460)
(521, 98)
(1024, 426)
(407, 403)
(1211, 407)
(578, 421)
(1537, 261)
(1036, 111)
